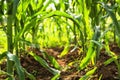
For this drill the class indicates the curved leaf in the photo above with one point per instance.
(88, 74)
(52, 60)
(44, 64)
(18, 66)
(91, 50)
(113, 17)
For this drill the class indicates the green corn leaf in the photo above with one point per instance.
(53, 61)
(65, 51)
(88, 74)
(15, 4)
(88, 3)
(22, 8)
(119, 10)
(58, 13)
(40, 4)
(88, 57)
(113, 58)
(96, 42)
(18, 66)
(113, 16)
(2, 55)
(118, 66)
(44, 64)
(30, 76)
(56, 77)
(5, 73)
(33, 5)
(91, 49)
(27, 27)
(100, 78)
(46, 5)
(23, 5)
(62, 5)
(109, 60)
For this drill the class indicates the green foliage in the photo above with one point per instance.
(91, 50)
(51, 23)
(113, 16)
(116, 60)
(45, 64)
(17, 64)
(56, 77)
(88, 74)
(65, 51)
(52, 60)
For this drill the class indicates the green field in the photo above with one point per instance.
(78, 38)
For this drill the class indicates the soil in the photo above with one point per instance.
(70, 71)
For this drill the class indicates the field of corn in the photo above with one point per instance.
(59, 39)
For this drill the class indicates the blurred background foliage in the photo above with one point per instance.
(38, 22)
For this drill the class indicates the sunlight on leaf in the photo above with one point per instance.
(88, 74)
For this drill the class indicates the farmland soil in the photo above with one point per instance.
(70, 71)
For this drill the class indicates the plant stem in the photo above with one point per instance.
(10, 45)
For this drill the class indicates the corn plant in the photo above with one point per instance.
(49, 23)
